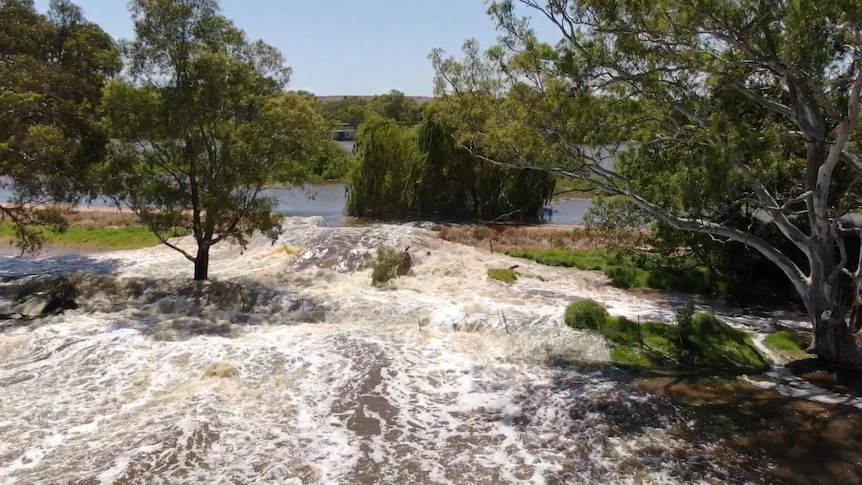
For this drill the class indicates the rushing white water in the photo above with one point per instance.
(291, 368)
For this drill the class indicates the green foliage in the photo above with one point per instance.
(587, 314)
(52, 70)
(387, 266)
(378, 183)
(708, 343)
(570, 258)
(426, 172)
(789, 344)
(732, 269)
(331, 163)
(505, 275)
(786, 340)
(733, 120)
(627, 271)
(202, 125)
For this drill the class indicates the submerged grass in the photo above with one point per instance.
(707, 343)
(788, 344)
(124, 237)
(626, 271)
(503, 274)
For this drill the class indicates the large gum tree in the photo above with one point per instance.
(721, 104)
(202, 125)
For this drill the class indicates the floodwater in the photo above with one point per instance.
(290, 368)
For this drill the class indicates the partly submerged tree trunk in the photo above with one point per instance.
(835, 342)
(835, 335)
(202, 262)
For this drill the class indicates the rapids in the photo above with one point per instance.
(291, 368)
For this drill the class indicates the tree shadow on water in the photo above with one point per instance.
(761, 434)
(711, 426)
(13, 268)
(183, 309)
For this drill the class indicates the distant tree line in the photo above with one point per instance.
(353, 110)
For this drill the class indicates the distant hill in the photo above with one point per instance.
(420, 100)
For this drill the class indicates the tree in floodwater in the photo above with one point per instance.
(729, 105)
(202, 126)
(52, 71)
(424, 172)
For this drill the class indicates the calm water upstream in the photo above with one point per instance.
(329, 201)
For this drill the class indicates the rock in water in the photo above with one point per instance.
(405, 262)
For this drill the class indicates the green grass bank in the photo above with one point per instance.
(704, 342)
(627, 271)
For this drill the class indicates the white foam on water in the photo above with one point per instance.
(783, 381)
(442, 377)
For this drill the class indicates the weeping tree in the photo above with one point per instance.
(52, 71)
(426, 172)
(201, 126)
(378, 183)
(751, 104)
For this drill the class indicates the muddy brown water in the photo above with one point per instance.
(803, 442)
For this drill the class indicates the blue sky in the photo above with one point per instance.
(342, 46)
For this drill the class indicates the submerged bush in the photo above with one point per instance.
(586, 314)
(389, 265)
(503, 274)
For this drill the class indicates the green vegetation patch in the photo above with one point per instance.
(788, 344)
(704, 342)
(587, 314)
(503, 274)
(127, 237)
(626, 271)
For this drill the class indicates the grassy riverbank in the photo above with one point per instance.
(627, 271)
(584, 249)
(118, 237)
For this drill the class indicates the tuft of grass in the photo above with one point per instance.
(788, 344)
(569, 258)
(123, 237)
(626, 271)
(503, 274)
(707, 343)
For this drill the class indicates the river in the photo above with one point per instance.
(290, 368)
(330, 201)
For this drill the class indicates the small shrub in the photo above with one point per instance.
(503, 274)
(586, 314)
(385, 266)
(627, 277)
